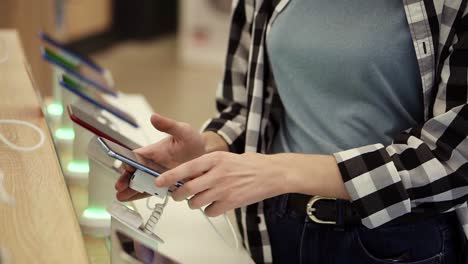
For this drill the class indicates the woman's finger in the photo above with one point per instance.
(187, 170)
(204, 198)
(128, 168)
(195, 186)
(122, 183)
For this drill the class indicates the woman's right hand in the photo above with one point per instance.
(183, 144)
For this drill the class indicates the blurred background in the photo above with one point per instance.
(172, 52)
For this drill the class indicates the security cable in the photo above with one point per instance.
(159, 208)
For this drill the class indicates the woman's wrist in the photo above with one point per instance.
(214, 142)
(311, 174)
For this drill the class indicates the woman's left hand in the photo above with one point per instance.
(225, 181)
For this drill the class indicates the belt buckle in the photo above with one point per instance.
(310, 210)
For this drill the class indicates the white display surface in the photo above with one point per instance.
(188, 236)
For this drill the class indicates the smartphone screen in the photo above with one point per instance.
(95, 99)
(55, 43)
(67, 63)
(140, 252)
(131, 158)
(92, 123)
(75, 67)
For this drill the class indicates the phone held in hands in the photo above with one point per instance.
(133, 159)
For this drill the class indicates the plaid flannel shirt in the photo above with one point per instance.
(425, 169)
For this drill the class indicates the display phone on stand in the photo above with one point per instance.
(80, 67)
(96, 99)
(99, 126)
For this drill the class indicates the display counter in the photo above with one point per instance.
(39, 225)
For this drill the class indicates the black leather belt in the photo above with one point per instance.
(323, 210)
(332, 211)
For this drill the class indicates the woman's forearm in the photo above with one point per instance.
(312, 174)
(304, 173)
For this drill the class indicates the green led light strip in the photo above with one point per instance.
(65, 133)
(78, 167)
(55, 109)
(96, 213)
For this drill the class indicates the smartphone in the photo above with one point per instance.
(60, 60)
(133, 159)
(134, 251)
(95, 99)
(92, 123)
(76, 68)
(55, 43)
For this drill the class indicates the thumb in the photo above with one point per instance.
(167, 125)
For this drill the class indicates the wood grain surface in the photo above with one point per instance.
(41, 227)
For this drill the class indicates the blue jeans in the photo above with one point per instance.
(296, 239)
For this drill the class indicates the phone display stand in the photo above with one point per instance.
(61, 98)
(103, 173)
(55, 108)
(66, 98)
(126, 221)
(77, 167)
(64, 133)
(59, 122)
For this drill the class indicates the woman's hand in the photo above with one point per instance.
(183, 144)
(225, 181)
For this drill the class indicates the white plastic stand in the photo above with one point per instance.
(62, 125)
(65, 137)
(67, 98)
(77, 168)
(101, 193)
(76, 171)
(54, 105)
(126, 221)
